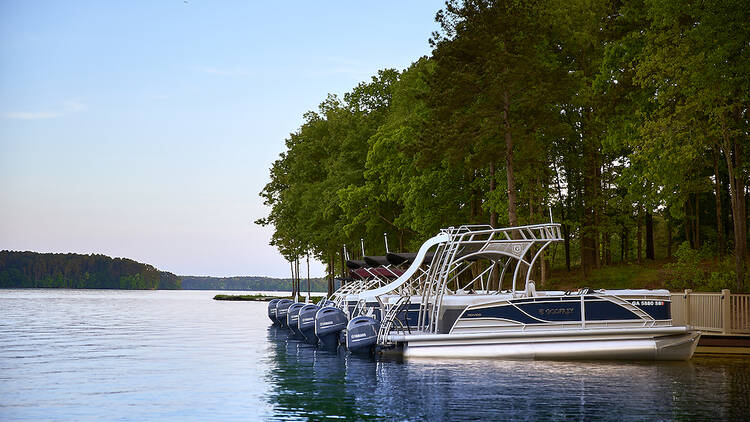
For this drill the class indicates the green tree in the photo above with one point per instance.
(496, 82)
(697, 62)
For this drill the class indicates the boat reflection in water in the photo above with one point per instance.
(307, 382)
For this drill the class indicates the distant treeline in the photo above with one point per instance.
(76, 271)
(249, 283)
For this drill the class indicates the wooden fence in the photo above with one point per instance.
(724, 312)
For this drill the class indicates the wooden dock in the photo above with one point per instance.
(713, 344)
(723, 319)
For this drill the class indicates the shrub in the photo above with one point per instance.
(687, 272)
(696, 270)
(719, 280)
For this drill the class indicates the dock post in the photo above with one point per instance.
(726, 316)
(686, 302)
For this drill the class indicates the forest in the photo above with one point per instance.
(627, 121)
(76, 271)
(250, 283)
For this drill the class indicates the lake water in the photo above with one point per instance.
(87, 355)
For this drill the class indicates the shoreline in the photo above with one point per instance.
(262, 298)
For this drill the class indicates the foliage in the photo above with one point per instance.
(248, 283)
(688, 272)
(620, 276)
(629, 119)
(696, 270)
(75, 271)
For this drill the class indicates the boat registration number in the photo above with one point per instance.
(647, 302)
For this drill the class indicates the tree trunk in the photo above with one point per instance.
(589, 228)
(294, 281)
(687, 223)
(493, 213)
(733, 155)
(494, 279)
(588, 241)
(565, 228)
(650, 236)
(299, 291)
(720, 242)
(566, 239)
(532, 217)
(597, 205)
(606, 252)
(626, 241)
(669, 238)
(308, 275)
(697, 222)
(640, 234)
(512, 214)
(332, 277)
(291, 267)
(343, 265)
(474, 206)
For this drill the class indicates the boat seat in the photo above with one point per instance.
(530, 289)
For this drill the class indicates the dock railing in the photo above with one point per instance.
(721, 313)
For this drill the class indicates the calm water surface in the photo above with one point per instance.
(178, 355)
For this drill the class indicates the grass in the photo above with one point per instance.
(256, 298)
(647, 275)
(264, 298)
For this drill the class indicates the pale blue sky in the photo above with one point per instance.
(145, 129)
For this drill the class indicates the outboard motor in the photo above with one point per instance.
(362, 334)
(292, 318)
(272, 311)
(329, 322)
(282, 308)
(306, 323)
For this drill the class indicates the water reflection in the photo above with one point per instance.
(307, 383)
(180, 356)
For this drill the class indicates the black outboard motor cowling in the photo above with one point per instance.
(362, 334)
(306, 323)
(329, 322)
(282, 308)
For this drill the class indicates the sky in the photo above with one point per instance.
(145, 129)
